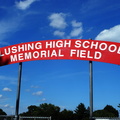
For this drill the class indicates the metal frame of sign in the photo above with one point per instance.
(76, 49)
(73, 49)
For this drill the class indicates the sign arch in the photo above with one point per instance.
(75, 49)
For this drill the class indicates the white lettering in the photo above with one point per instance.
(38, 45)
(59, 44)
(83, 53)
(1, 54)
(54, 53)
(86, 44)
(60, 53)
(14, 49)
(112, 48)
(49, 44)
(30, 46)
(20, 56)
(89, 55)
(67, 43)
(118, 51)
(7, 51)
(43, 53)
(35, 54)
(97, 55)
(13, 58)
(78, 44)
(21, 48)
(94, 45)
(103, 46)
(28, 55)
(72, 52)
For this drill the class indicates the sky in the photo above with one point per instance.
(64, 83)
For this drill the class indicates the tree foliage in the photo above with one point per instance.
(44, 110)
(2, 112)
(119, 105)
(80, 113)
(108, 111)
(66, 115)
(113, 111)
(49, 110)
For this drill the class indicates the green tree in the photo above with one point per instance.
(108, 111)
(2, 112)
(111, 110)
(101, 113)
(119, 105)
(66, 115)
(32, 111)
(45, 110)
(81, 113)
(50, 110)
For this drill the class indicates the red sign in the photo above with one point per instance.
(75, 49)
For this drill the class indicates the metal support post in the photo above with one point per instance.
(91, 90)
(18, 92)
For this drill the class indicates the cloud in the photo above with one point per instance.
(90, 6)
(38, 93)
(33, 86)
(43, 99)
(8, 79)
(27, 90)
(6, 106)
(7, 27)
(6, 89)
(112, 34)
(76, 24)
(77, 29)
(57, 20)
(1, 96)
(13, 21)
(23, 5)
(59, 33)
(76, 32)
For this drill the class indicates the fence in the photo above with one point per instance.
(34, 118)
(7, 117)
(12, 117)
(106, 118)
